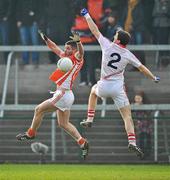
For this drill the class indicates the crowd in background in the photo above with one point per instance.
(148, 21)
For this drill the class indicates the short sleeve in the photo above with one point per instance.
(104, 42)
(133, 60)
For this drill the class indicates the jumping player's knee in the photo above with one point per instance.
(38, 109)
(62, 124)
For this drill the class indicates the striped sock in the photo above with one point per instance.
(81, 141)
(132, 138)
(31, 132)
(90, 115)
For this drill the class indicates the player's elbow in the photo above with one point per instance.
(141, 68)
(94, 31)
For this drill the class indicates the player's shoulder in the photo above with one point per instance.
(130, 56)
(129, 52)
(103, 39)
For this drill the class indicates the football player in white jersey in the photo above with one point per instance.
(115, 57)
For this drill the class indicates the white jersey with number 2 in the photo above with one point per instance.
(114, 59)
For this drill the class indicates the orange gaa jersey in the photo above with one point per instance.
(66, 79)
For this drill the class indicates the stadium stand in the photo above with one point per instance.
(107, 139)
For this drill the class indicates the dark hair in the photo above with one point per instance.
(113, 14)
(123, 37)
(140, 93)
(71, 43)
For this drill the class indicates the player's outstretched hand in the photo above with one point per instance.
(84, 11)
(157, 79)
(43, 36)
(75, 37)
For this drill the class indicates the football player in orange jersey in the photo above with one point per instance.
(63, 97)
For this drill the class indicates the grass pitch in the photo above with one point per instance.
(84, 172)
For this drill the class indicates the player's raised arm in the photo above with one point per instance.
(92, 26)
(80, 49)
(148, 73)
(56, 49)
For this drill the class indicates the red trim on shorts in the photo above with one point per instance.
(57, 98)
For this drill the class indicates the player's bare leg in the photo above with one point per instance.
(63, 122)
(91, 108)
(127, 117)
(129, 127)
(39, 113)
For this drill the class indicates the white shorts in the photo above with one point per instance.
(63, 100)
(115, 90)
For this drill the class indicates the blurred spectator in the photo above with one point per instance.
(5, 12)
(28, 16)
(117, 5)
(144, 123)
(161, 27)
(133, 22)
(59, 18)
(98, 10)
(13, 30)
(147, 9)
(111, 26)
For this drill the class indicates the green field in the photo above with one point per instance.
(84, 172)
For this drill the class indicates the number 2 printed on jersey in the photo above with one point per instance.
(116, 58)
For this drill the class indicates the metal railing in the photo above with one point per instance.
(53, 136)
(144, 47)
(5, 87)
(156, 114)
